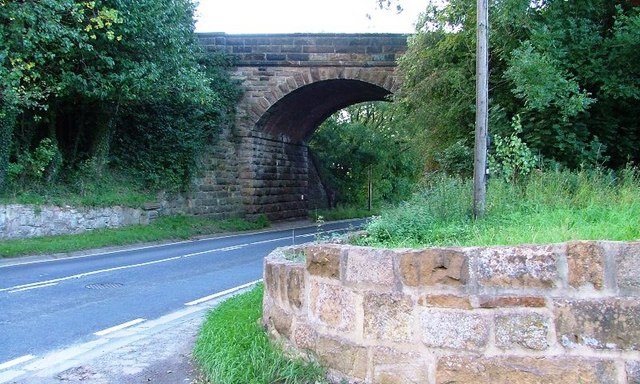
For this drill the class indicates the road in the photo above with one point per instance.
(47, 305)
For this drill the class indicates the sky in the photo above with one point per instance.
(305, 16)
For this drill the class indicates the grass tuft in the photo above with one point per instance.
(232, 348)
(548, 207)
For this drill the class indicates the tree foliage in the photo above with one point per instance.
(360, 141)
(566, 68)
(110, 84)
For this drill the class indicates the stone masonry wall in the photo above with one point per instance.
(216, 192)
(22, 221)
(323, 49)
(274, 177)
(562, 313)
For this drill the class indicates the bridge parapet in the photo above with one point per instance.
(315, 50)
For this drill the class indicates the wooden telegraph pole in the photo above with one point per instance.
(482, 111)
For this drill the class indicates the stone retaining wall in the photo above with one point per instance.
(23, 221)
(564, 313)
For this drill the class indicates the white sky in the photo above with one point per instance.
(305, 16)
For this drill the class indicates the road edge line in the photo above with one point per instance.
(222, 293)
(119, 327)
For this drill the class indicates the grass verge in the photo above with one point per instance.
(84, 191)
(232, 348)
(341, 213)
(164, 228)
(547, 207)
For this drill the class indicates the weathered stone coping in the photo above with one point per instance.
(561, 313)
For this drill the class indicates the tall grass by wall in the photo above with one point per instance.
(545, 207)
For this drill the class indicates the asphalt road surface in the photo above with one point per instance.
(47, 305)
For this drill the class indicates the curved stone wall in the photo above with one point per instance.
(563, 313)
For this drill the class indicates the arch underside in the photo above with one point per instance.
(297, 115)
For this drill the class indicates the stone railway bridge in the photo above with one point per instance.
(291, 83)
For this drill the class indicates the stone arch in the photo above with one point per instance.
(297, 114)
(319, 91)
(279, 178)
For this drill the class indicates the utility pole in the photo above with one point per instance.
(482, 111)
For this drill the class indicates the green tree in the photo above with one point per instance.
(576, 84)
(359, 141)
(95, 76)
(565, 67)
(40, 43)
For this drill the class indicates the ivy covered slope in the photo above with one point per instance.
(104, 90)
(565, 70)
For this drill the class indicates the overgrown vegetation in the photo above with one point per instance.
(164, 228)
(564, 69)
(232, 348)
(108, 190)
(105, 90)
(544, 207)
(341, 212)
(360, 145)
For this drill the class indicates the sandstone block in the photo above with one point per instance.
(611, 324)
(368, 266)
(295, 286)
(393, 366)
(272, 279)
(528, 331)
(305, 337)
(628, 266)
(586, 264)
(445, 301)
(508, 370)
(401, 374)
(454, 329)
(434, 266)
(388, 316)
(516, 267)
(333, 306)
(277, 321)
(323, 261)
(511, 301)
(342, 356)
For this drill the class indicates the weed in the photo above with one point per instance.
(297, 256)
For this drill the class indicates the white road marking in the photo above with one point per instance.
(271, 240)
(222, 293)
(91, 273)
(14, 362)
(119, 327)
(233, 247)
(133, 249)
(32, 287)
(40, 284)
